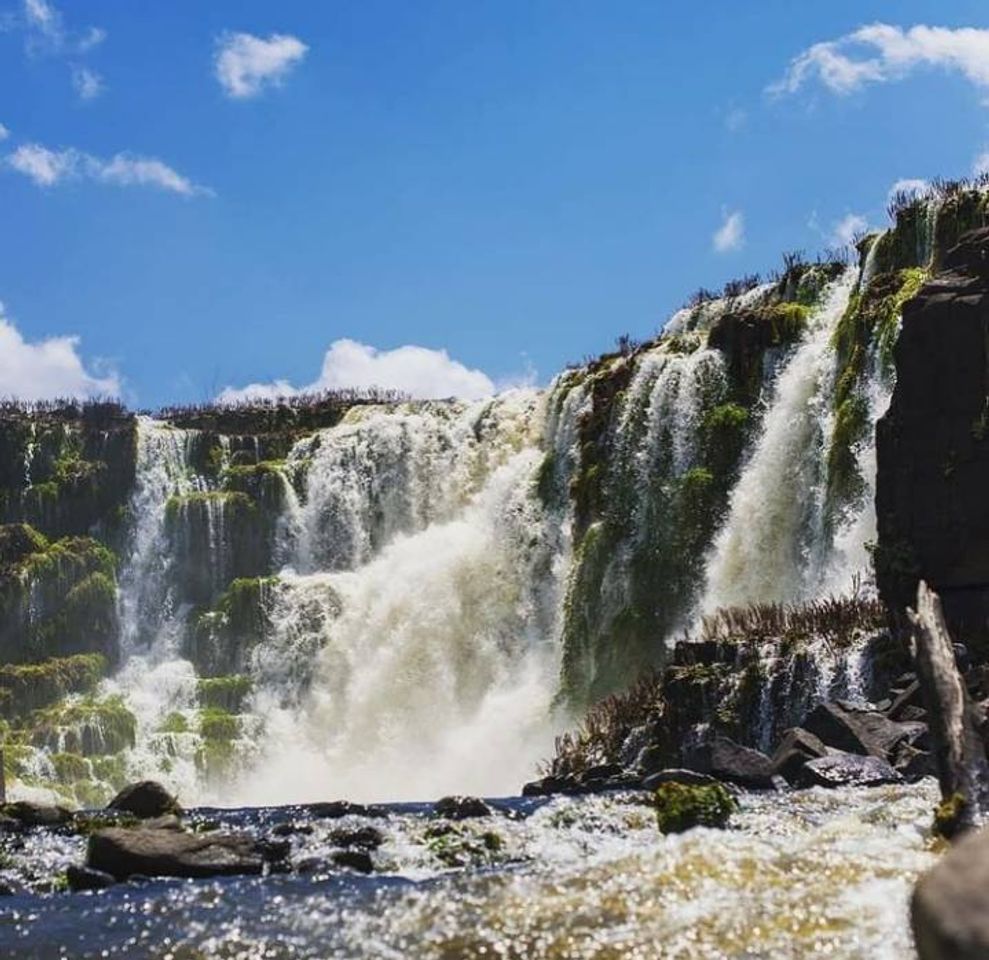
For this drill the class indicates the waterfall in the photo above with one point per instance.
(772, 547)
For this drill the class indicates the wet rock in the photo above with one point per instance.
(847, 770)
(853, 731)
(146, 800)
(910, 697)
(651, 759)
(85, 878)
(357, 860)
(461, 808)
(681, 807)
(726, 760)
(913, 764)
(337, 809)
(547, 786)
(689, 778)
(166, 853)
(168, 822)
(30, 814)
(291, 829)
(365, 838)
(794, 750)
(949, 911)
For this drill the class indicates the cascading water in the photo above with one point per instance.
(772, 547)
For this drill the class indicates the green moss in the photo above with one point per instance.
(224, 693)
(174, 723)
(88, 726)
(681, 807)
(787, 322)
(27, 687)
(70, 767)
(217, 724)
(948, 815)
(460, 846)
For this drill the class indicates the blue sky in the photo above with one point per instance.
(515, 183)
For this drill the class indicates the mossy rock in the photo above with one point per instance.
(89, 726)
(681, 807)
(224, 693)
(28, 687)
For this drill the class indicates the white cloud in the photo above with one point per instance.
(47, 168)
(731, 234)
(879, 52)
(908, 185)
(88, 83)
(246, 64)
(44, 23)
(847, 228)
(418, 371)
(47, 369)
(981, 164)
(4, 132)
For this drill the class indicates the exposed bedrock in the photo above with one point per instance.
(933, 447)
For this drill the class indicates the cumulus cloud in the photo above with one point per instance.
(246, 64)
(735, 119)
(87, 83)
(46, 369)
(879, 53)
(418, 371)
(48, 168)
(45, 31)
(847, 228)
(731, 234)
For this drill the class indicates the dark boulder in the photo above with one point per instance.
(794, 750)
(854, 731)
(847, 770)
(364, 838)
(949, 911)
(167, 853)
(85, 878)
(357, 860)
(547, 786)
(146, 800)
(30, 814)
(724, 759)
(461, 808)
(913, 764)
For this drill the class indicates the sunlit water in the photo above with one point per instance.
(799, 875)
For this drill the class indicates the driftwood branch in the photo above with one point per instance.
(953, 719)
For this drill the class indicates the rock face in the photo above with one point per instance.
(123, 853)
(949, 911)
(933, 446)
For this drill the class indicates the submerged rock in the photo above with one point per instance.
(85, 878)
(847, 770)
(123, 853)
(146, 799)
(461, 808)
(949, 911)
